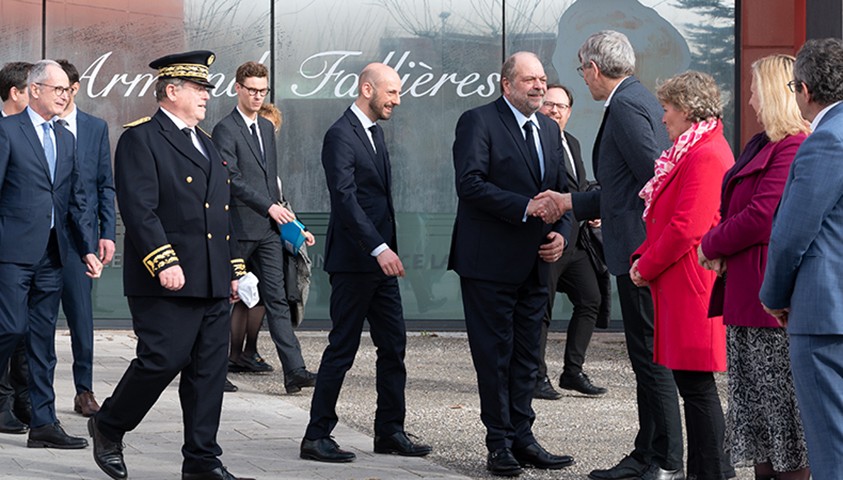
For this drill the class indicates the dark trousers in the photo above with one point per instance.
(503, 322)
(267, 257)
(29, 305)
(573, 275)
(76, 304)
(175, 335)
(704, 424)
(659, 438)
(14, 384)
(356, 297)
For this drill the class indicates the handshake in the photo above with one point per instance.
(549, 205)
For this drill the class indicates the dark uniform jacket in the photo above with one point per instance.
(174, 204)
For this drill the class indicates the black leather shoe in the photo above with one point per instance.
(219, 473)
(657, 473)
(629, 468)
(229, 387)
(298, 380)
(324, 450)
(250, 364)
(544, 390)
(400, 444)
(53, 436)
(537, 457)
(107, 454)
(9, 423)
(502, 463)
(580, 383)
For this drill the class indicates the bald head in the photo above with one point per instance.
(379, 91)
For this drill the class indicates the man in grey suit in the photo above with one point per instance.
(246, 142)
(802, 286)
(630, 138)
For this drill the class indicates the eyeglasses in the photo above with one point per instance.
(580, 71)
(795, 86)
(255, 92)
(558, 106)
(59, 90)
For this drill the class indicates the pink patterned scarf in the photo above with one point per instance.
(672, 156)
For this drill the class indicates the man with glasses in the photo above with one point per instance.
(630, 138)
(801, 285)
(246, 142)
(179, 272)
(573, 274)
(41, 200)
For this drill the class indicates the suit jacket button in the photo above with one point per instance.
(207, 205)
(210, 236)
(188, 179)
(228, 180)
(227, 237)
(226, 208)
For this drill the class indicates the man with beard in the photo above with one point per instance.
(504, 155)
(362, 261)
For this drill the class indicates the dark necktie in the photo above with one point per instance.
(569, 160)
(531, 146)
(380, 148)
(187, 131)
(254, 128)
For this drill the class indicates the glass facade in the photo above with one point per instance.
(447, 53)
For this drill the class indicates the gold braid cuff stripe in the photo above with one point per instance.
(160, 258)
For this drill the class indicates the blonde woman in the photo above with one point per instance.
(764, 429)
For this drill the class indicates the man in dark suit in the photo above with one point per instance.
(629, 140)
(802, 282)
(179, 272)
(362, 261)
(93, 155)
(246, 142)
(41, 200)
(572, 274)
(15, 408)
(504, 154)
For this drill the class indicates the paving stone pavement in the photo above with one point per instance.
(259, 434)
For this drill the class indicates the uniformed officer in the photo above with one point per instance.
(179, 271)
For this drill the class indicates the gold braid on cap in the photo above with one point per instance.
(180, 70)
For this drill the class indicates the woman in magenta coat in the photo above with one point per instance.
(764, 429)
(681, 205)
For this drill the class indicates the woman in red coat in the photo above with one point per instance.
(682, 204)
(764, 428)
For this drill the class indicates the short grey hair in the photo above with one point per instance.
(38, 72)
(161, 86)
(611, 52)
